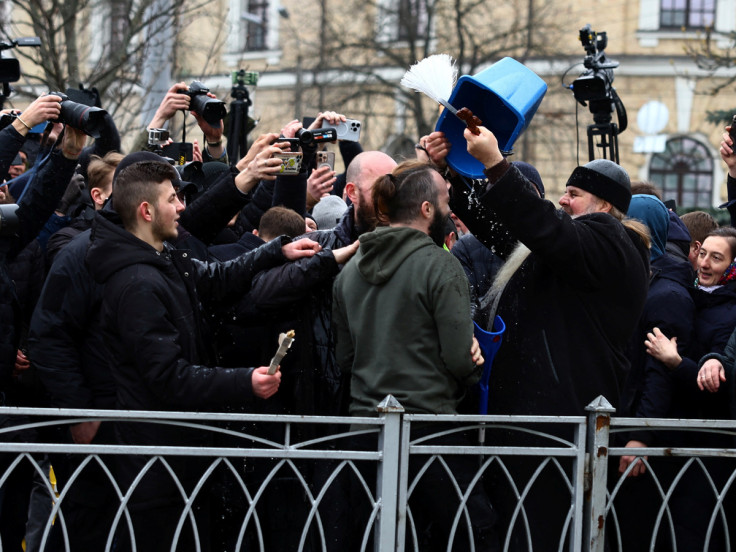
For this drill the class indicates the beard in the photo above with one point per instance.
(365, 220)
(437, 228)
(163, 233)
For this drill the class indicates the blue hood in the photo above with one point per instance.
(652, 212)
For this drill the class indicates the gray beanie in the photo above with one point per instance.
(604, 179)
(328, 212)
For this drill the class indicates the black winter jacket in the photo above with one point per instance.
(569, 309)
(153, 323)
(44, 191)
(649, 391)
(715, 319)
(286, 286)
(65, 341)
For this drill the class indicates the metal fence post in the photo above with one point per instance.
(387, 485)
(597, 444)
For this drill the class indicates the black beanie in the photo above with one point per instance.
(604, 179)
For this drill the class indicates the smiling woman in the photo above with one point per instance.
(716, 260)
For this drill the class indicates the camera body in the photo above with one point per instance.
(212, 110)
(294, 143)
(6, 119)
(179, 152)
(316, 136)
(244, 78)
(732, 132)
(596, 83)
(87, 118)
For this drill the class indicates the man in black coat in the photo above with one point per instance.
(570, 302)
(70, 352)
(154, 326)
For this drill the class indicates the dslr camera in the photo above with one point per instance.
(211, 109)
(87, 118)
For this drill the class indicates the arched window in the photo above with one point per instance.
(684, 172)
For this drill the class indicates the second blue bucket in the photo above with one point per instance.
(505, 96)
(489, 343)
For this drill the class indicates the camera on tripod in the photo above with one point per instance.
(10, 67)
(596, 82)
(595, 86)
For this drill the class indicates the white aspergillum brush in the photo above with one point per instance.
(435, 76)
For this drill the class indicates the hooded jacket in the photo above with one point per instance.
(401, 311)
(160, 354)
(153, 322)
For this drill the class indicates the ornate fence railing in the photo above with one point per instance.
(216, 481)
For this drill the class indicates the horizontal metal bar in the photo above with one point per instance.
(494, 451)
(673, 423)
(679, 451)
(496, 418)
(288, 452)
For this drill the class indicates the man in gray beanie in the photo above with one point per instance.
(570, 300)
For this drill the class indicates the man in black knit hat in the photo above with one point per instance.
(570, 297)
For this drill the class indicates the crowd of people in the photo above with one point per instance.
(131, 283)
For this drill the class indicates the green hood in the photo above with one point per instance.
(383, 250)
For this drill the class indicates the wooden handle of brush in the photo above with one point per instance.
(473, 122)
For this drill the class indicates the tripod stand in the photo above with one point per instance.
(237, 132)
(604, 129)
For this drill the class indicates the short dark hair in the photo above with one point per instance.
(397, 197)
(136, 184)
(279, 221)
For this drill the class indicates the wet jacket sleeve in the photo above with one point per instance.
(482, 220)
(260, 200)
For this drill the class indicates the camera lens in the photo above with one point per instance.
(305, 136)
(90, 120)
(211, 109)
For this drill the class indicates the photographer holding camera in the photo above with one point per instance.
(179, 98)
(21, 223)
(12, 137)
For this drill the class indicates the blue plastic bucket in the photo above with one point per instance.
(505, 96)
(490, 343)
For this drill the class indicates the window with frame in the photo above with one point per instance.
(687, 14)
(684, 172)
(256, 28)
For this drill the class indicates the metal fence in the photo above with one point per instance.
(395, 482)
